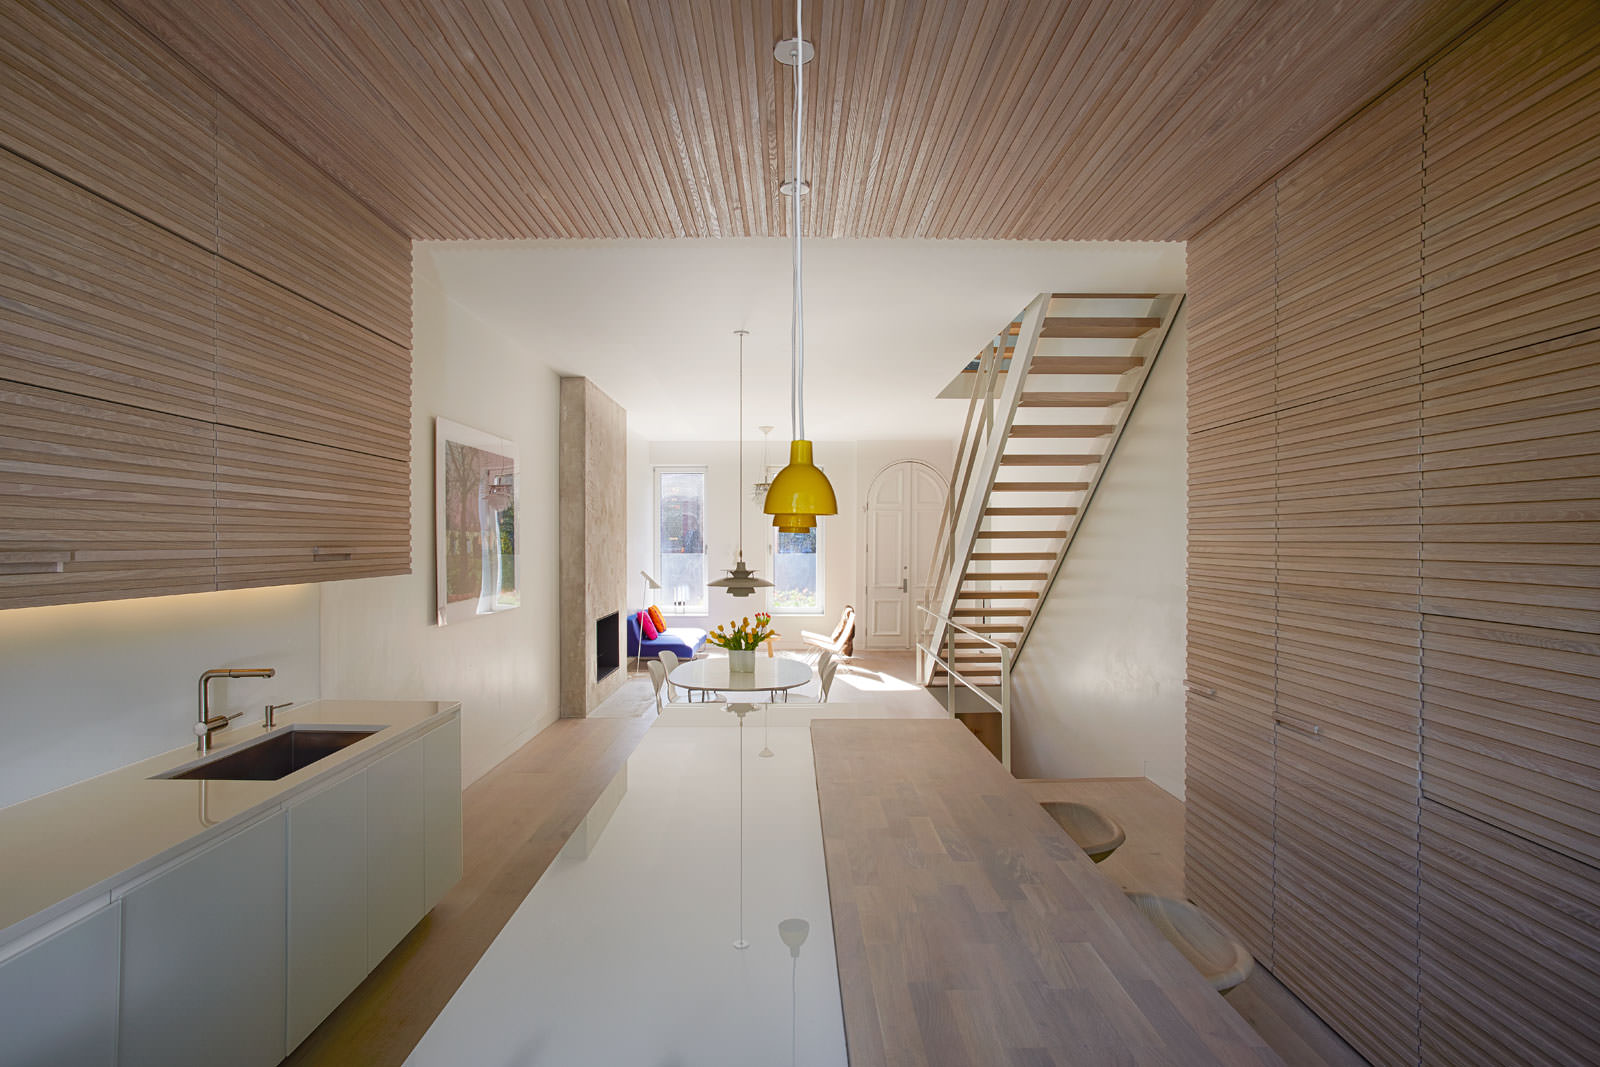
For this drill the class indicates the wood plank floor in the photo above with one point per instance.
(517, 818)
(970, 930)
(1151, 861)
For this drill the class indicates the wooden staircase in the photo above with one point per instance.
(1048, 400)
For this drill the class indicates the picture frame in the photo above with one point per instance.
(477, 545)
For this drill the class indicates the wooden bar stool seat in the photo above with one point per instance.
(1220, 959)
(1096, 834)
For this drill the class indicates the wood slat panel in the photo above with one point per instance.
(279, 501)
(581, 119)
(1348, 494)
(123, 494)
(1231, 312)
(1229, 736)
(284, 219)
(1513, 201)
(92, 97)
(1349, 255)
(291, 368)
(1511, 458)
(98, 302)
(1511, 729)
(1510, 948)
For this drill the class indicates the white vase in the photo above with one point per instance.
(742, 661)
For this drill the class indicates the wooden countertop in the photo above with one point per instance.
(970, 930)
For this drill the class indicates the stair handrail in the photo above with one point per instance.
(1151, 346)
(997, 414)
(980, 409)
(1002, 704)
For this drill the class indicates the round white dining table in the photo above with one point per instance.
(711, 674)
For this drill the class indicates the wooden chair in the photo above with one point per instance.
(1095, 833)
(1219, 958)
(842, 642)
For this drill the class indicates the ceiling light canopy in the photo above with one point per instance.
(801, 491)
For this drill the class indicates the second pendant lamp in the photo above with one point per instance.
(800, 492)
(741, 580)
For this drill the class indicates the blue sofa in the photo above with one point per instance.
(685, 641)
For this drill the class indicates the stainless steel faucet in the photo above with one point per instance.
(209, 723)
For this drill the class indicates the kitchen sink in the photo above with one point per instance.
(275, 756)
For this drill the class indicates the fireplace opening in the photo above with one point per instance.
(607, 646)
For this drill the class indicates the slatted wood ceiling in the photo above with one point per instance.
(951, 119)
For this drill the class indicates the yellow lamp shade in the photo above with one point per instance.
(800, 492)
(794, 523)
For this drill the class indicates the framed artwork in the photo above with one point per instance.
(475, 522)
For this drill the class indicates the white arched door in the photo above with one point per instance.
(904, 503)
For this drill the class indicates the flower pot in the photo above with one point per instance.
(742, 661)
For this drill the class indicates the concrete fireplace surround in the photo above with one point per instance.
(593, 544)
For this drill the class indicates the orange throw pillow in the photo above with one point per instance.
(655, 617)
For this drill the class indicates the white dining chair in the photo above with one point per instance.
(658, 678)
(825, 678)
(669, 660)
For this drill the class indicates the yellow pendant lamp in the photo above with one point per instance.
(800, 492)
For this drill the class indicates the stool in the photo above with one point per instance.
(1094, 833)
(1220, 959)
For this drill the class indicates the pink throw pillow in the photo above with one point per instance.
(648, 627)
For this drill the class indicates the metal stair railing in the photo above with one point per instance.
(1002, 704)
(977, 463)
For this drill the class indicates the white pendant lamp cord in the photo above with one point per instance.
(797, 330)
(741, 334)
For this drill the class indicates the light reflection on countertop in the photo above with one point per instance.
(62, 850)
(626, 955)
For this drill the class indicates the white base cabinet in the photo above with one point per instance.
(395, 849)
(237, 950)
(58, 999)
(203, 943)
(327, 902)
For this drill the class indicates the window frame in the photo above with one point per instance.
(822, 576)
(691, 609)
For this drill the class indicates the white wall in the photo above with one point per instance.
(87, 688)
(1098, 690)
(849, 465)
(379, 637)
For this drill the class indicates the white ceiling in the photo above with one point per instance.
(888, 322)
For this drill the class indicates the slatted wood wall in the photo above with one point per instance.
(204, 341)
(1435, 636)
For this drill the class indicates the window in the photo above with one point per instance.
(797, 573)
(680, 539)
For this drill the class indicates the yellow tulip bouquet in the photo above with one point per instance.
(743, 636)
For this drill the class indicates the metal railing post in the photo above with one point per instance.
(1003, 705)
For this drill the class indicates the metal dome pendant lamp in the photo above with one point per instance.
(800, 492)
(741, 581)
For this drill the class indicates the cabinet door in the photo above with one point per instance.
(1229, 740)
(203, 976)
(395, 850)
(101, 303)
(58, 999)
(100, 501)
(327, 902)
(289, 511)
(441, 773)
(1232, 312)
(288, 367)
